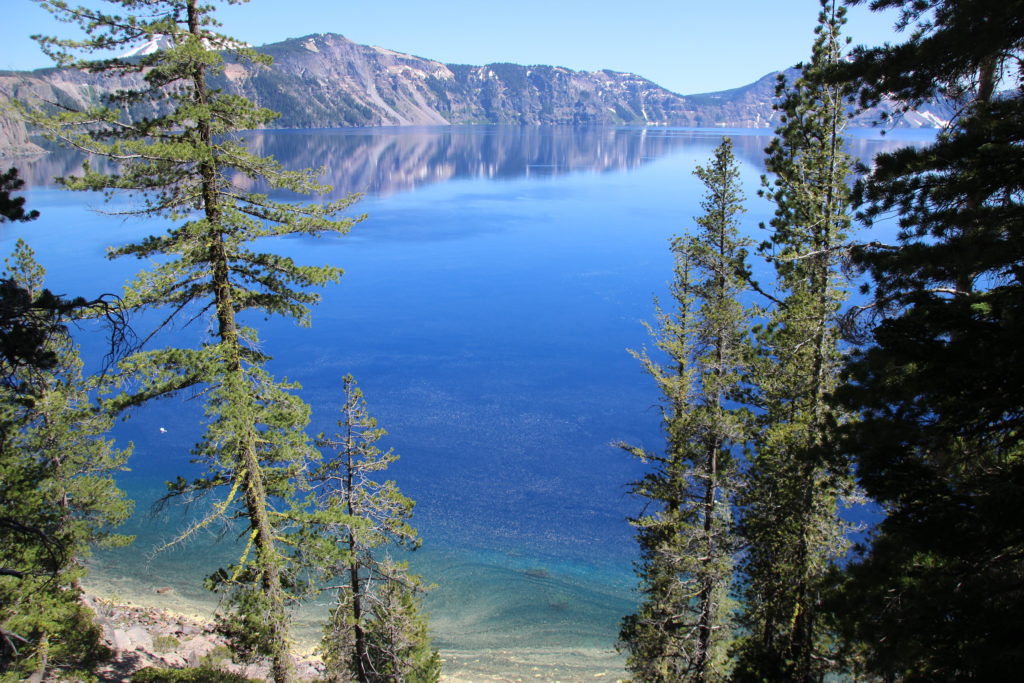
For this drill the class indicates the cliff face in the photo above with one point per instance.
(327, 81)
(14, 140)
(64, 87)
(510, 93)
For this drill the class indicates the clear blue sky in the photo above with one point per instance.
(688, 46)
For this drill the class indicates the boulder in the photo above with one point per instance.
(141, 640)
(120, 640)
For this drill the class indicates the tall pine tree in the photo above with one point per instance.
(58, 499)
(375, 633)
(684, 626)
(790, 522)
(185, 163)
(939, 592)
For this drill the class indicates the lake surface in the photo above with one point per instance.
(486, 308)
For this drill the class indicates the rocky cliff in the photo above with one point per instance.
(14, 139)
(327, 81)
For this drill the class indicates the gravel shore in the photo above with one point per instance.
(143, 637)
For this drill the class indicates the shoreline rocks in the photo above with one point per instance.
(142, 637)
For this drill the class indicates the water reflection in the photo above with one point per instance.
(388, 161)
(385, 161)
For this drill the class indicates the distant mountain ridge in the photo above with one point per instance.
(327, 81)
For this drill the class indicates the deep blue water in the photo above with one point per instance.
(486, 308)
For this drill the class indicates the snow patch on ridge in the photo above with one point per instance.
(154, 44)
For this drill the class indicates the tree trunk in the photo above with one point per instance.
(360, 659)
(248, 464)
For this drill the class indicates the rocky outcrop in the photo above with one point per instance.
(141, 637)
(14, 139)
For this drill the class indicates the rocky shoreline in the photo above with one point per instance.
(142, 637)
(145, 636)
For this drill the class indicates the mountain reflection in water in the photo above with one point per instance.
(386, 161)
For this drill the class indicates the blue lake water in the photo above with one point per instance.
(486, 308)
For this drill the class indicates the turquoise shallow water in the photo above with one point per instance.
(486, 308)
(494, 614)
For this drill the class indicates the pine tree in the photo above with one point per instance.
(376, 632)
(13, 208)
(938, 594)
(684, 626)
(59, 500)
(789, 510)
(185, 163)
(27, 319)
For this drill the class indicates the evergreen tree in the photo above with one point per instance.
(13, 208)
(684, 626)
(376, 632)
(27, 319)
(185, 163)
(938, 594)
(59, 500)
(397, 639)
(790, 521)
